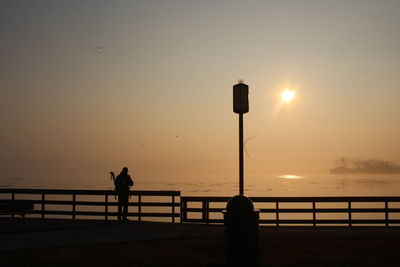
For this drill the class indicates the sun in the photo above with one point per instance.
(287, 95)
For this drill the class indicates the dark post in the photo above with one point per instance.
(106, 206)
(43, 199)
(173, 209)
(240, 218)
(184, 210)
(73, 206)
(349, 207)
(241, 106)
(386, 214)
(139, 208)
(277, 213)
(12, 198)
(241, 232)
(314, 216)
(241, 179)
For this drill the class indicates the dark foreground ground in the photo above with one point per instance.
(191, 245)
(285, 251)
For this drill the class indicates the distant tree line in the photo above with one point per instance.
(370, 164)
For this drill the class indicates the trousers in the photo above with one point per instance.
(123, 201)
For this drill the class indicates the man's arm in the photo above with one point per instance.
(130, 181)
(117, 182)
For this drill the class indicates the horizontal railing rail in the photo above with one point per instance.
(70, 207)
(170, 204)
(203, 210)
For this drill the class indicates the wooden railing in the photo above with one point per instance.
(68, 202)
(276, 211)
(209, 210)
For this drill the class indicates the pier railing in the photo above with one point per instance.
(171, 206)
(312, 211)
(78, 203)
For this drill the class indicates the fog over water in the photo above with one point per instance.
(268, 185)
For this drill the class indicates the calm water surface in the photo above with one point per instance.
(281, 184)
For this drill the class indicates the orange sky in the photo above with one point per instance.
(157, 95)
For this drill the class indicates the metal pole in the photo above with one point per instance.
(241, 154)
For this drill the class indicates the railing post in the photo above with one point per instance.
(180, 210)
(43, 199)
(139, 208)
(106, 206)
(73, 206)
(277, 213)
(203, 210)
(183, 210)
(207, 212)
(186, 213)
(12, 198)
(349, 208)
(173, 209)
(386, 213)
(314, 215)
(204, 207)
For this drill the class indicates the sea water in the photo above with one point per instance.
(276, 184)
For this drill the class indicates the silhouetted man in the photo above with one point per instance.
(122, 184)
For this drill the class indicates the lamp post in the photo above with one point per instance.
(240, 218)
(241, 106)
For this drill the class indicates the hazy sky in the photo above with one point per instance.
(89, 86)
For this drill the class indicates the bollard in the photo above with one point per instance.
(241, 232)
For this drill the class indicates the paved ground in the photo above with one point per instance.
(37, 233)
(53, 232)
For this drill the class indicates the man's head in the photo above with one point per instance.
(125, 170)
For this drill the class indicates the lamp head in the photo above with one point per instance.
(241, 98)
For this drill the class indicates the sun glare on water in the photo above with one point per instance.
(290, 176)
(287, 95)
